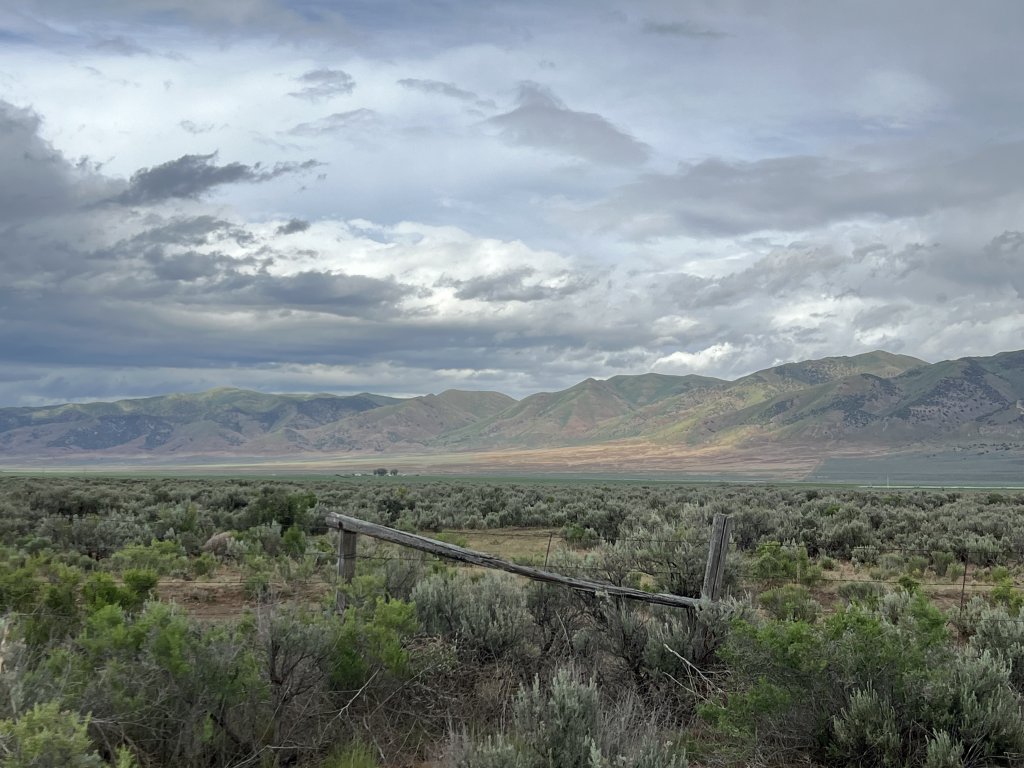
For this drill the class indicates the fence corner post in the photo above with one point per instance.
(714, 573)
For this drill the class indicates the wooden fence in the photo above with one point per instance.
(351, 527)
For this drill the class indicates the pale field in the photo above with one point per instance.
(622, 458)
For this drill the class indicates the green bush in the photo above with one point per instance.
(941, 562)
(1001, 633)
(943, 752)
(485, 616)
(165, 558)
(789, 683)
(100, 589)
(294, 541)
(979, 706)
(916, 565)
(868, 729)
(47, 737)
(774, 564)
(257, 586)
(861, 592)
(864, 555)
(565, 725)
(575, 535)
(560, 722)
(1004, 593)
(791, 602)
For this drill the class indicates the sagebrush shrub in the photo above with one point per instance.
(486, 616)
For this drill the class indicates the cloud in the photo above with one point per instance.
(320, 84)
(196, 128)
(512, 285)
(681, 29)
(121, 46)
(717, 197)
(38, 181)
(189, 231)
(304, 21)
(292, 226)
(445, 89)
(339, 122)
(190, 176)
(542, 121)
(333, 293)
(702, 360)
(187, 266)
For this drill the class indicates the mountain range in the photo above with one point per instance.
(867, 402)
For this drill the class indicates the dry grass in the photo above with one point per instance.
(517, 544)
(623, 457)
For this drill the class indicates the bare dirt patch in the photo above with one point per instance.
(228, 596)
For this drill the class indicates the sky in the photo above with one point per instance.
(405, 197)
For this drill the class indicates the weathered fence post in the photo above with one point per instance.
(714, 573)
(346, 564)
(963, 595)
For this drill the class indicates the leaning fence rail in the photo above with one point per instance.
(351, 527)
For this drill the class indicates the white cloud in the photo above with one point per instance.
(709, 358)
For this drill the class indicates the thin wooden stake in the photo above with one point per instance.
(714, 572)
(964, 583)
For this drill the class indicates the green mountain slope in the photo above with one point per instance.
(213, 421)
(955, 399)
(875, 401)
(413, 423)
(684, 417)
(573, 415)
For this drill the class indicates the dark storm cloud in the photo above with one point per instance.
(681, 29)
(445, 89)
(512, 285)
(320, 84)
(542, 121)
(328, 292)
(339, 122)
(194, 309)
(292, 226)
(191, 231)
(187, 266)
(37, 180)
(192, 175)
(996, 267)
(719, 197)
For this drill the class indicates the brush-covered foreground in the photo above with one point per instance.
(161, 622)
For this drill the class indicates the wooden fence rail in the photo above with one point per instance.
(350, 527)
